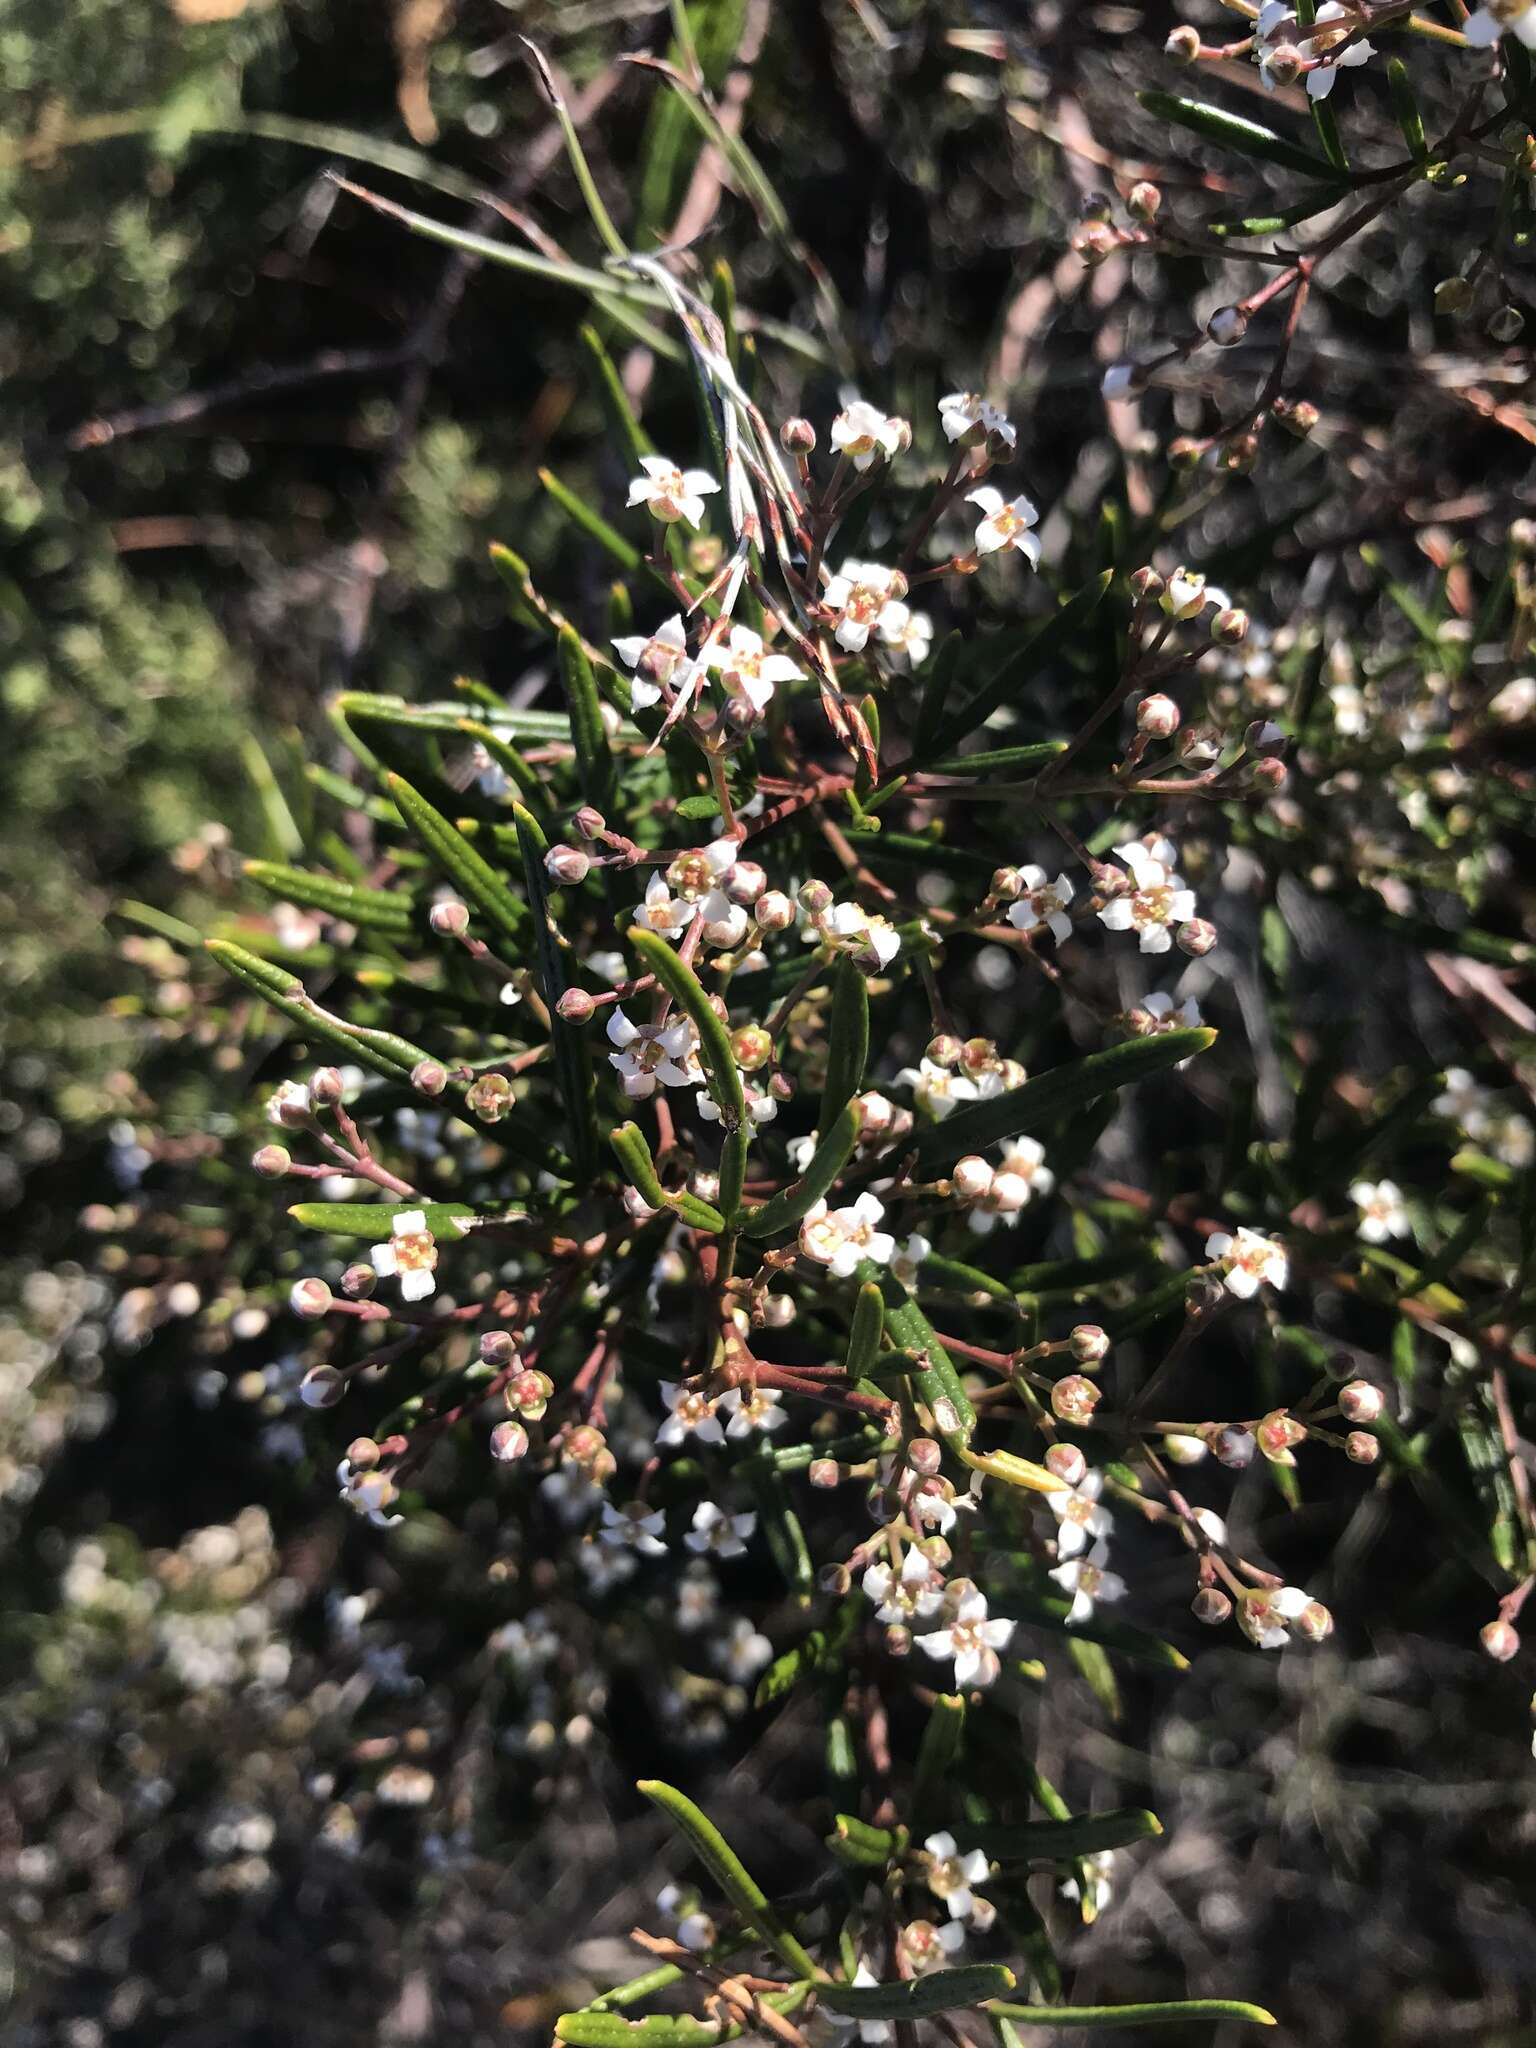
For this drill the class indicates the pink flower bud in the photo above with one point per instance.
(358, 1282)
(1501, 1639)
(971, 1177)
(309, 1298)
(945, 1050)
(576, 1006)
(1183, 44)
(321, 1387)
(746, 882)
(1185, 452)
(1090, 1344)
(362, 1454)
(325, 1086)
(567, 865)
(898, 1640)
(835, 1579)
(1196, 938)
(1229, 628)
(272, 1161)
(1144, 200)
(1360, 1401)
(1008, 885)
(1067, 1462)
(1361, 1448)
(815, 897)
(1094, 241)
(925, 1455)
(779, 1311)
(797, 437)
(1234, 1446)
(589, 822)
(497, 1348)
(774, 911)
(429, 1077)
(1299, 418)
(1145, 582)
(1074, 1398)
(1269, 775)
(1182, 1449)
(1211, 1606)
(1227, 326)
(509, 1440)
(1314, 1624)
(1157, 717)
(824, 1472)
(449, 920)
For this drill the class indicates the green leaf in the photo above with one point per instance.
(625, 428)
(452, 853)
(573, 1058)
(279, 986)
(1406, 107)
(855, 1841)
(936, 689)
(594, 760)
(864, 1333)
(686, 990)
(1037, 754)
(781, 1525)
(728, 1871)
(1230, 131)
(847, 1041)
(790, 1205)
(634, 1154)
(371, 909)
(938, 1753)
(510, 760)
(446, 1220)
(1059, 1841)
(938, 1383)
(1170, 2011)
(1094, 1667)
(1050, 1095)
(818, 1652)
(913, 1998)
(592, 523)
(1016, 669)
(595, 2028)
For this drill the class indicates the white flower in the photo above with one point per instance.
(748, 670)
(688, 1412)
(752, 1408)
(839, 1239)
(654, 660)
(718, 1533)
(864, 434)
(1382, 1214)
(936, 1089)
(951, 1875)
(1088, 1582)
(761, 1106)
(1157, 901)
(289, 1107)
(660, 911)
(910, 1595)
(1348, 709)
(869, 938)
(409, 1255)
(1005, 524)
(962, 412)
(1278, 29)
(671, 493)
(1262, 1614)
(1168, 1013)
(652, 1053)
(744, 1652)
(1248, 1261)
(1466, 1102)
(971, 1640)
(370, 1493)
(1044, 904)
(1100, 1890)
(908, 1258)
(1501, 18)
(1078, 1514)
(859, 598)
(1014, 1184)
(906, 635)
(1186, 594)
(634, 1527)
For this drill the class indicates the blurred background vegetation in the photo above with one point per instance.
(264, 1783)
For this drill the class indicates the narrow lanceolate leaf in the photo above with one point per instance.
(573, 1059)
(847, 1041)
(1230, 131)
(1164, 2012)
(818, 1652)
(1022, 760)
(854, 1841)
(914, 1997)
(781, 1525)
(935, 699)
(509, 759)
(594, 760)
(1406, 107)
(625, 426)
(373, 909)
(1058, 1841)
(686, 990)
(1016, 669)
(937, 1382)
(591, 2028)
(282, 989)
(864, 1333)
(458, 861)
(1026, 1108)
(447, 1220)
(580, 513)
(937, 1755)
(634, 1155)
(728, 1871)
(792, 1204)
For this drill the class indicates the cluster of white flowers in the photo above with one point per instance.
(1156, 901)
(840, 1238)
(1000, 1193)
(1083, 1528)
(1284, 51)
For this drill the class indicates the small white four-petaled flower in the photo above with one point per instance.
(839, 1238)
(863, 434)
(964, 412)
(654, 659)
(747, 669)
(688, 1413)
(1043, 905)
(649, 1054)
(861, 599)
(951, 1876)
(1086, 1579)
(1382, 1214)
(718, 1534)
(409, 1255)
(1079, 1517)
(1005, 524)
(1156, 901)
(911, 1594)
(752, 1408)
(972, 1639)
(1248, 1261)
(1497, 18)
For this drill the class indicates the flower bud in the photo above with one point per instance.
(429, 1077)
(751, 1047)
(1360, 1401)
(746, 882)
(797, 437)
(835, 1579)
(1067, 1462)
(567, 864)
(1145, 582)
(1229, 628)
(1227, 326)
(489, 1098)
(322, 1387)
(1522, 536)
(1090, 1344)
(1185, 452)
(509, 1440)
(1144, 200)
(1269, 777)
(1263, 736)
(326, 1086)
(1507, 324)
(824, 1472)
(1314, 1624)
(1453, 297)
(589, 822)
(815, 897)
(309, 1298)
(924, 1455)
(272, 1161)
(1074, 1398)
(1183, 45)
(497, 1348)
(945, 1050)
(1196, 938)
(1361, 1448)
(449, 920)
(1157, 717)
(971, 1177)
(1299, 418)
(1283, 63)
(774, 911)
(1182, 1449)
(898, 1640)
(1234, 1446)
(1200, 743)
(1121, 380)
(1501, 1639)
(779, 1311)
(576, 1006)
(636, 1207)
(1239, 456)
(362, 1454)
(1007, 885)
(704, 1184)
(1211, 1606)
(358, 1282)
(289, 1107)
(1094, 241)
